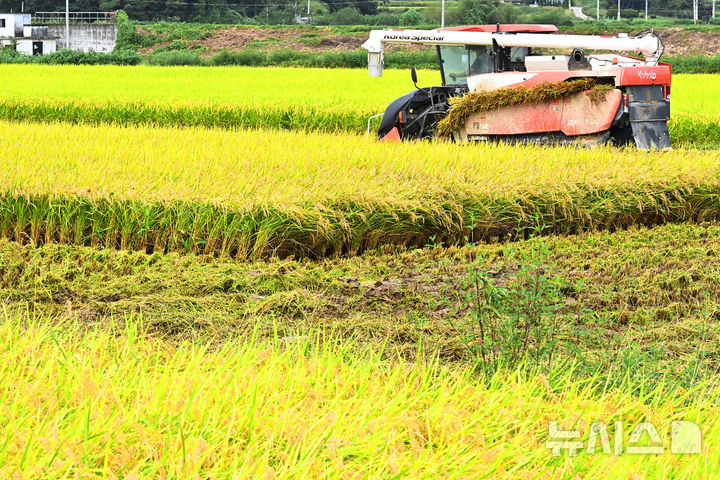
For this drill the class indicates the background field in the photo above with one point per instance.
(339, 88)
(294, 98)
(349, 89)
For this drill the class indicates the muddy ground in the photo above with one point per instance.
(678, 41)
(299, 39)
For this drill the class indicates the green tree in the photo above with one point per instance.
(479, 12)
(630, 13)
(127, 36)
(412, 18)
(476, 11)
(211, 11)
(366, 7)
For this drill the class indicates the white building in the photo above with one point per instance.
(11, 24)
(15, 29)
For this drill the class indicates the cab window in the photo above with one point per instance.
(517, 58)
(459, 62)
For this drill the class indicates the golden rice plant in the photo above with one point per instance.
(117, 404)
(299, 98)
(247, 194)
(350, 89)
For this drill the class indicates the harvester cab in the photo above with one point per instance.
(527, 84)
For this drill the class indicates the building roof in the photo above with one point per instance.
(35, 39)
(506, 28)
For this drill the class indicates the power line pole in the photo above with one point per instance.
(67, 24)
(442, 15)
(598, 9)
(646, 10)
(713, 13)
(695, 11)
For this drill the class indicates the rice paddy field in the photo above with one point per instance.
(213, 273)
(335, 100)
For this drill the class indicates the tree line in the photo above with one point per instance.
(283, 11)
(209, 11)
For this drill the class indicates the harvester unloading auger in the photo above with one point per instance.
(585, 98)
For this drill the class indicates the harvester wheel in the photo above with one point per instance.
(621, 135)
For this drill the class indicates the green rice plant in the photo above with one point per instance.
(184, 114)
(247, 195)
(116, 403)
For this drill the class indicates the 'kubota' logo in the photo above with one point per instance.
(647, 75)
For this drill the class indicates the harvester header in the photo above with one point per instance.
(527, 84)
(533, 36)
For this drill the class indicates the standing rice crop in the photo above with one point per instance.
(337, 100)
(246, 194)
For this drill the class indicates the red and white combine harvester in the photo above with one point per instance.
(486, 58)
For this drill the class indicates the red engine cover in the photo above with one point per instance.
(576, 115)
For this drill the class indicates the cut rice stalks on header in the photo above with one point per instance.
(477, 102)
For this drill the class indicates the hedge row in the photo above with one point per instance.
(287, 58)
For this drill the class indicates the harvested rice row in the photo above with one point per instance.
(476, 102)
